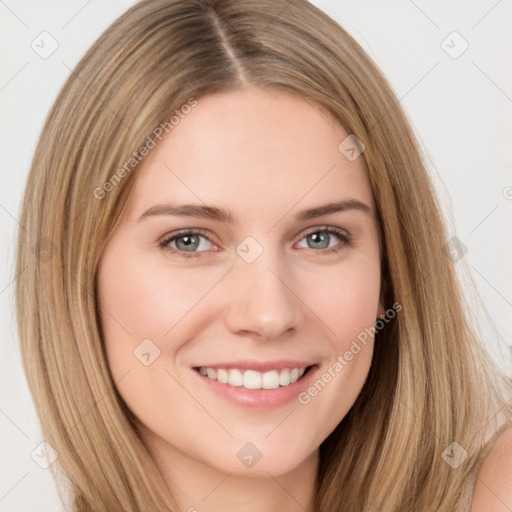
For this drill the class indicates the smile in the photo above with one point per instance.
(252, 379)
(256, 384)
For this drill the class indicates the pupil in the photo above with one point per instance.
(317, 237)
(188, 241)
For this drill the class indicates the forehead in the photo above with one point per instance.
(253, 151)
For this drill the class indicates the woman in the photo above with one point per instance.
(188, 344)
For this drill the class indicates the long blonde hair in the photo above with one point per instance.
(430, 383)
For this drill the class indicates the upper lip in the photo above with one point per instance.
(260, 366)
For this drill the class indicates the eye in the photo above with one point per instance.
(188, 243)
(320, 238)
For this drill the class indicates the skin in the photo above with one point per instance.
(493, 489)
(264, 155)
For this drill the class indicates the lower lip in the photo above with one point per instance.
(260, 398)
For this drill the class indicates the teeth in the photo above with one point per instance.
(251, 379)
(222, 376)
(235, 378)
(284, 377)
(270, 380)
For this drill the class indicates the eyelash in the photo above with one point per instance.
(343, 235)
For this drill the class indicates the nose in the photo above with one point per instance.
(263, 302)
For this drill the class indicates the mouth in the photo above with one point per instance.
(254, 379)
(256, 385)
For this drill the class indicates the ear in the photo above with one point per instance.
(380, 310)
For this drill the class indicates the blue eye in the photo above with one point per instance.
(321, 235)
(188, 243)
(188, 240)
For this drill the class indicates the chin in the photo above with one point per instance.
(261, 458)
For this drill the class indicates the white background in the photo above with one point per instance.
(461, 110)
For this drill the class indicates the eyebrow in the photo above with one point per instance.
(225, 216)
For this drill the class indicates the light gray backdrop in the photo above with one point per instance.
(449, 63)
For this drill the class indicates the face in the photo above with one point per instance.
(229, 338)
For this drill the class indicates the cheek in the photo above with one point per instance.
(139, 304)
(140, 299)
(348, 308)
(346, 298)
(134, 307)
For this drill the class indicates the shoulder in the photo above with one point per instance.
(493, 488)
